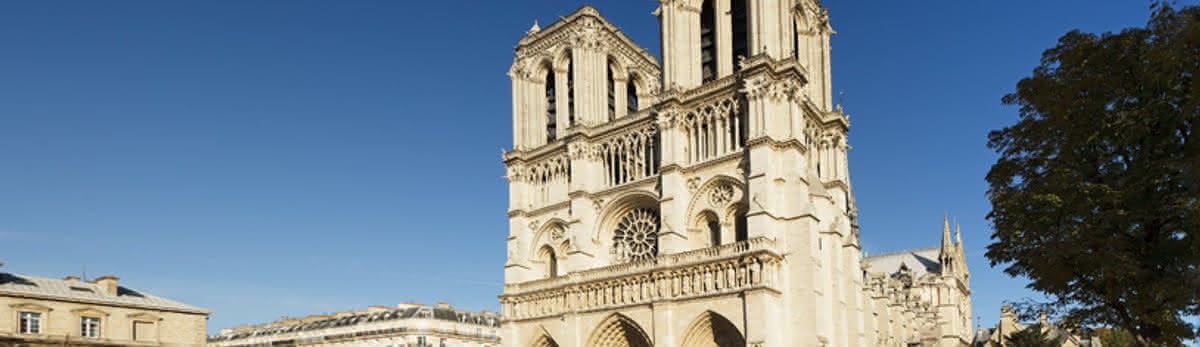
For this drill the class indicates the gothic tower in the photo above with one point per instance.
(703, 202)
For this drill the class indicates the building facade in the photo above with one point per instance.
(1009, 324)
(37, 311)
(403, 325)
(703, 201)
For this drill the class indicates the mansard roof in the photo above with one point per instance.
(85, 292)
(583, 21)
(919, 262)
(343, 319)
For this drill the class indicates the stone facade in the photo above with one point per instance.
(37, 311)
(705, 201)
(1009, 323)
(403, 325)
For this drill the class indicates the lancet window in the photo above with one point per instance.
(551, 108)
(570, 93)
(741, 31)
(714, 233)
(708, 42)
(550, 260)
(739, 226)
(631, 94)
(612, 94)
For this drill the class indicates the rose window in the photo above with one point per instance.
(636, 237)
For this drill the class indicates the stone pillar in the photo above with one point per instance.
(675, 192)
(680, 30)
(620, 96)
(724, 37)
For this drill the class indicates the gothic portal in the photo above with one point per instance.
(705, 201)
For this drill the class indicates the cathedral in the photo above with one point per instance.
(703, 199)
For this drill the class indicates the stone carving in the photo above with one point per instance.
(693, 184)
(578, 151)
(557, 233)
(778, 90)
(636, 237)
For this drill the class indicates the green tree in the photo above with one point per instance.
(1096, 192)
(1110, 337)
(1032, 336)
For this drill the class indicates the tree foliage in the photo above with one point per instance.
(1096, 191)
(1031, 336)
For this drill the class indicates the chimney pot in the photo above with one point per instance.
(108, 284)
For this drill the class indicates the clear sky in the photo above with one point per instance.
(280, 158)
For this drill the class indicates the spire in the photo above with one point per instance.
(946, 243)
(534, 29)
(946, 254)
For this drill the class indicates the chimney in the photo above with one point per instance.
(108, 284)
(72, 278)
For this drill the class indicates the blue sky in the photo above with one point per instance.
(268, 158)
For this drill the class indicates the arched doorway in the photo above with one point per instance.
(712, 330)
(619, 331)
(544, 341)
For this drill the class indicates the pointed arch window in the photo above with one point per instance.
(739, 226)
(552, 265)
(551, 107)
(741, 31)
(631, 94)
(714, 233)
(612, 94)
(708, 42)
(570, 93)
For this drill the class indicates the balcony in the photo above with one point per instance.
(716, 270)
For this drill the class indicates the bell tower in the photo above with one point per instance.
(706, 199)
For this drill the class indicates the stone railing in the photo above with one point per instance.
(716, 270)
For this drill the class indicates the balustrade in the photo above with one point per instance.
(729, 268)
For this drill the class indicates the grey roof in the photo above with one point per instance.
(80, 291)
(439, 313)
(919, 261)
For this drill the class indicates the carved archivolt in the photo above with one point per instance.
(712, 330)
(619, 331)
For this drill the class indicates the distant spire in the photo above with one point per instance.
(946, 233)
(957, 232)
(947, 251)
